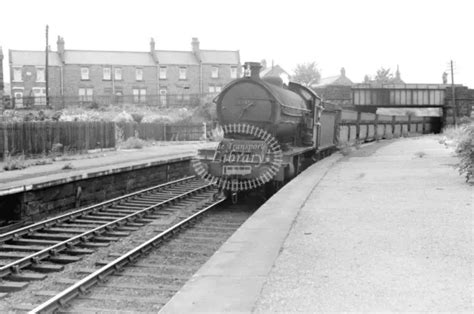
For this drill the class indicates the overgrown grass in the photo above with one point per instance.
(133, 143)
(20, 162)
(14, 163)
(462, 139)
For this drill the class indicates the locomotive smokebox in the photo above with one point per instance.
(252, 69)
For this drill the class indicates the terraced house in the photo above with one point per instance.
(154, 77)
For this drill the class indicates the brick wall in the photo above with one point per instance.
(42, 202)
(464, 102)
(174, 85)
(29, 80)
(73, 81)
(222, 79)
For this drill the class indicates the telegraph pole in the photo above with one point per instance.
(455, 107)
(46, 76)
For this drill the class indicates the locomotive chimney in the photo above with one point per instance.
(253, 68)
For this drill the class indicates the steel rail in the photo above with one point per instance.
(99, 275)
(36, 257)
(47, 223)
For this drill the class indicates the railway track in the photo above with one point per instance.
(28, 253)
(144, 278)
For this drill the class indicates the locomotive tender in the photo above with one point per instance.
(272, 131)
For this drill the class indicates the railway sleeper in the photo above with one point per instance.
(91, 244)
(45, 268)
(64, 230)
(84, 227)
(104, 239)
(78, 251)
(26, 277)
(99, 218)
(127, 228)
(63, 259)
(21, 248)
(23, 241)
(106, 214)
(86, 221)
(49, 236)
(123, 212)
(7, 286)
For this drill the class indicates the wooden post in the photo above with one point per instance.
(376, 126)
(358, 125)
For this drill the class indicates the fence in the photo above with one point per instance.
(360, 126)
(35, 138)
(163, 132)
(97, 101)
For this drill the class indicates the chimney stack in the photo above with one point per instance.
(152, 46)
(254, 69)
(60, 47)
(195, 45)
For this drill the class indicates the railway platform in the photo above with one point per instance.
(386, 228)
(76, 167)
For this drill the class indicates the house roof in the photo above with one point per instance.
(335, 80)
(108, 57)
(36, 58)
(275, 70)
(165, 57)
(220, 57)
(176, 57)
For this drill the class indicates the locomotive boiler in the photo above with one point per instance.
(271, 132)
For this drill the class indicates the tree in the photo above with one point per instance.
(307, 74)
(383, 76)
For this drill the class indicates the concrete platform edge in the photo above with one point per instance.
(212, 288)
(86, 175)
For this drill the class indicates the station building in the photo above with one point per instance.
(153, 77)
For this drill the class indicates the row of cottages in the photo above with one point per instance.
(156, 77)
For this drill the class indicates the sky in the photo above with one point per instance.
(421, 37)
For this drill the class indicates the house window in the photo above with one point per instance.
(163, 98)
(212, 89)
(215, 72)
(107, 74)
(182, 73)
(84, 73)
(118, 74)
(233, 72)
(139, 74)
(218, 89)
(85, 94)
(139, 95)
(163, 73)
(17, 75)
(40, 74)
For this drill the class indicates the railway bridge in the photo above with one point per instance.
(373, 96)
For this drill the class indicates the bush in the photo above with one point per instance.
(464, 150)
(462, 137)
(137, 117)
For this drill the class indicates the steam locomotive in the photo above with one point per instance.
(272, 131)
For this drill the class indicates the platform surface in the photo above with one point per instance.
(96, 163)
(386, 228)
